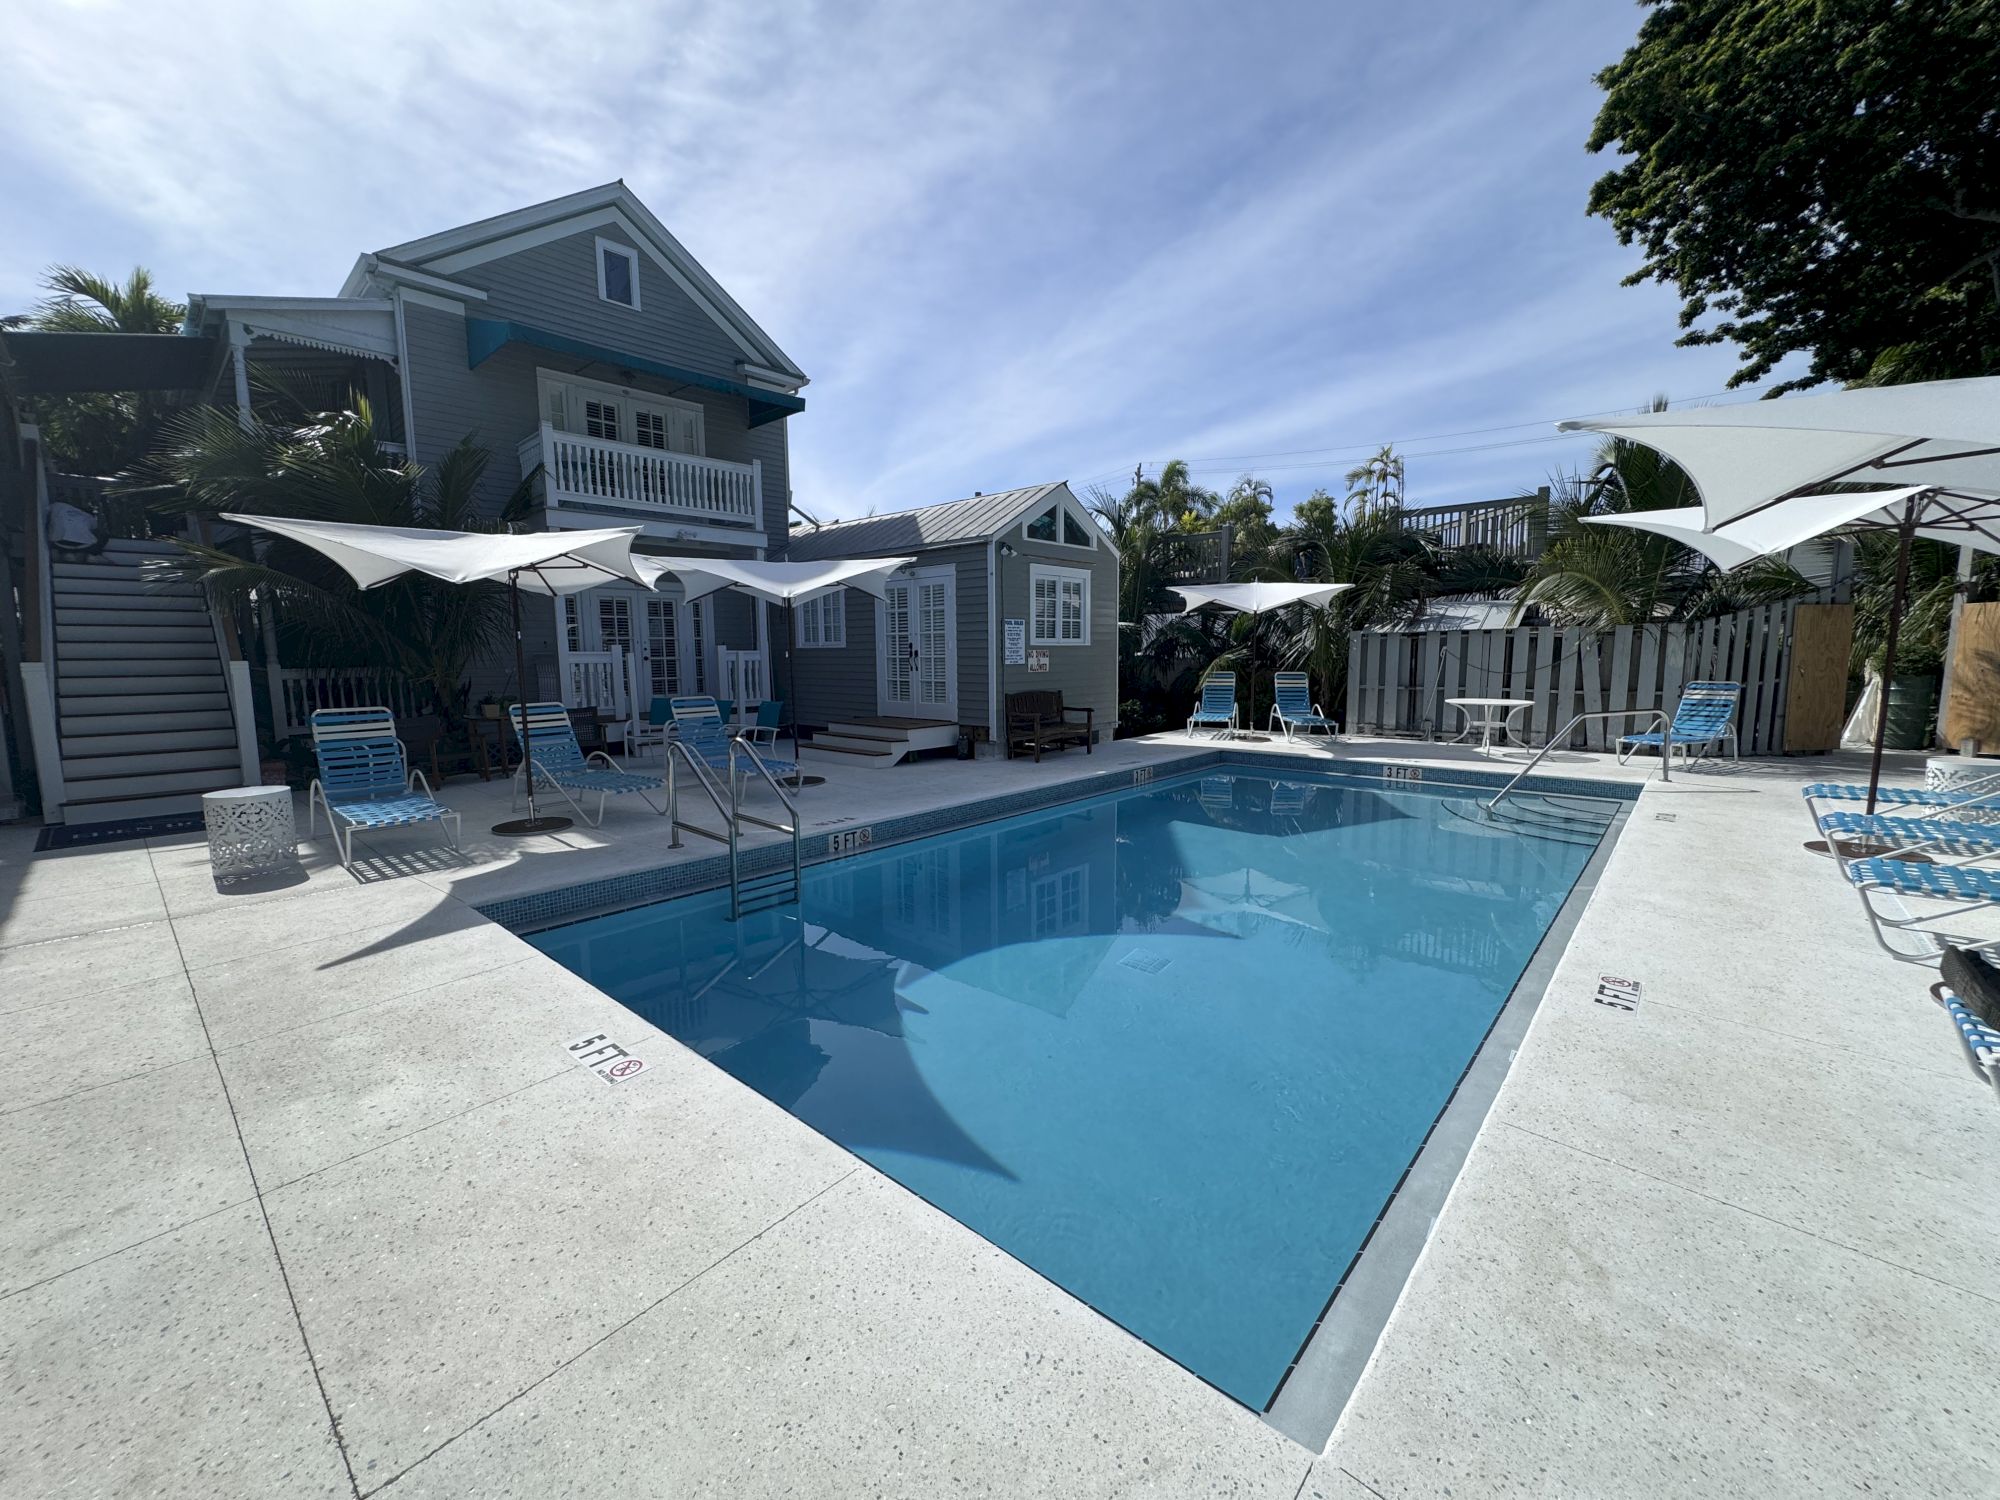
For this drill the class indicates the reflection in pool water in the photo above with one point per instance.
(1173, 1048)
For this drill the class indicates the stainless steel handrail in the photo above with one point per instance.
(701, 774)
(738, 815)
(1656, 715)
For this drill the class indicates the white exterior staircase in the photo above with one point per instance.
(147, 714)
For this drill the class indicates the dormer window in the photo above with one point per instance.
(618, 273)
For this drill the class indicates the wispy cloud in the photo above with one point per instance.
(1010, 242)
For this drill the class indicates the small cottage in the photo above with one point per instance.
(1008, 592)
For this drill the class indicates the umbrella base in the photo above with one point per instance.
(515, 828)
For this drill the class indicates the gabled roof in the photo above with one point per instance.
(452, 250)
(953, 523)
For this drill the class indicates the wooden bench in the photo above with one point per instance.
(1037, 720)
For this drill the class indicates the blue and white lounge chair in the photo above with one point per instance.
(1915, 835)
(365, 780)
(1981, 1042)
(698, 725)
(1973, 792)
(1294, 712)
(1957, 885)
(1217, 709)
(1704, 718)
(558, 764)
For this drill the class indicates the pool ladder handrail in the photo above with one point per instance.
(774, 895)
(728, 804)
(1562, 735)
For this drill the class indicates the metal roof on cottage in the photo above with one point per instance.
(953, 523)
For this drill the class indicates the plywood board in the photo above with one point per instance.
(1974, 710)
(1816, 696)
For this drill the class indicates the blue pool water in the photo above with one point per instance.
(1173, 1048)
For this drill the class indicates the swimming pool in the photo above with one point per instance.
(1173, 1047)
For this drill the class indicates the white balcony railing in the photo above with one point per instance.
(591, 471)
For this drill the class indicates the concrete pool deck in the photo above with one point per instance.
(306, 1197)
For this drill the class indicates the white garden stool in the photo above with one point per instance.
(249, 830)
(1955, 774)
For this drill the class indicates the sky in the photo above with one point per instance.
(1009, 242)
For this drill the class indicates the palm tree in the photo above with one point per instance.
(99, 432)
(1598, 577)
(1392, 570)
(1377, 482)
(330, 469)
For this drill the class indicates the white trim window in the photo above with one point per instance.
(621, 414)
(617, 273)
(1058, 606)
(822, 622)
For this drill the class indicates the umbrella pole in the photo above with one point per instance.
(518, 827)
(1905, 535)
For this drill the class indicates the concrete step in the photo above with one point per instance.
(152, 784)
(143, 736)
(87, 669)
(861, 743)
(80, 768)
(154, 714)
(129, 650)
(913, 734)
(156, 631)
(117, 808)
(137, 695)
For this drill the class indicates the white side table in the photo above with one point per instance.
(249, 830)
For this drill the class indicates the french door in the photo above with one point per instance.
(664, 640)
(917, 674)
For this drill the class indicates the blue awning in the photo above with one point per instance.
(486, 337)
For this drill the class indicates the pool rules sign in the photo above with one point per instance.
(606, 1058)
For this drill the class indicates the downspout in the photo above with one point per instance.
(996, 653)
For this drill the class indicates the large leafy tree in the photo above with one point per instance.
(330, 468)
(1817, 177)
(99, 432)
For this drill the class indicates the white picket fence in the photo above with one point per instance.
(1398, 683)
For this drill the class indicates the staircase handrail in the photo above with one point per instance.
(1658, 716)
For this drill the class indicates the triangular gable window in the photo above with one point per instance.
(1059, 524)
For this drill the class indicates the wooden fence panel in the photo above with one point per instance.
(1400, 682)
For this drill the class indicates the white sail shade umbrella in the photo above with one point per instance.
(1785, 525)
(542, 562)
(1253, 599)
(786, 583)
(1937, 442)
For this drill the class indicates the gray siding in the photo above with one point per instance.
(554, 286)
(1087, 676)
(842, 684)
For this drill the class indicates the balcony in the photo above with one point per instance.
(650, 483)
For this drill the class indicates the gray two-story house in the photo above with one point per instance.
(591, 355)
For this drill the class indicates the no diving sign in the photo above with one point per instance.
(606, 1058)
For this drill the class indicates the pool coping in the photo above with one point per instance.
(1314, 1392)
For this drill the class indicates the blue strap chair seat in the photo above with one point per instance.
(698, 724)
(1704, 718)
(1984, 790)
(1217, 709)
(1981, 1042)
(1293, 711)
(365, 780)
(1943, 835)
(558, 763)
(1941, 882)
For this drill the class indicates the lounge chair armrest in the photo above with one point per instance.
(418, 779)
(598, 755)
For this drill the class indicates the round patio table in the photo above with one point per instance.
(1488, 717)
